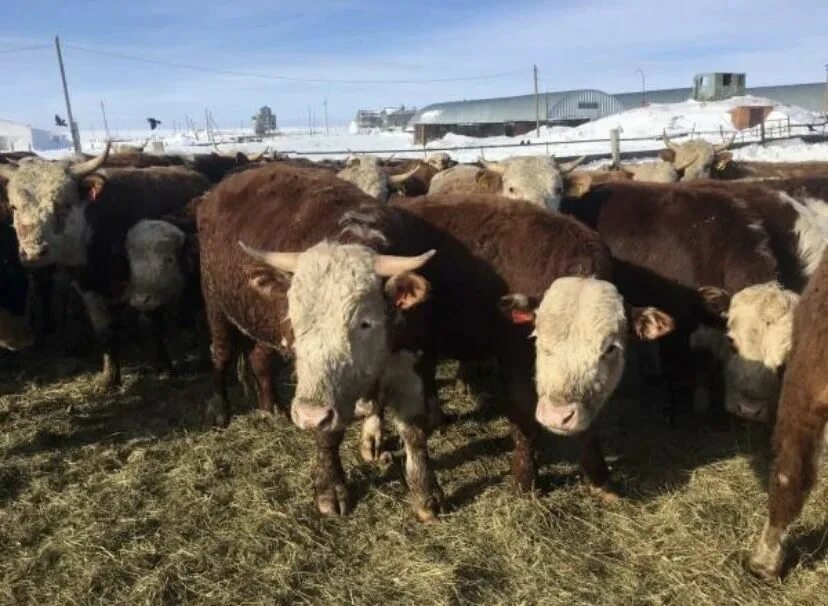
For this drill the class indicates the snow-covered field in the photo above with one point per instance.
(640, 128)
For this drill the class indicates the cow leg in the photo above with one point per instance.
(679, 370)
(796, 444)
(261, 360)
(521, 413)
(222, 353)
(402, 391)
(328, 476)
(426, 368)
(594, 466)
(163, 363)
(106, 334)
(370, 439)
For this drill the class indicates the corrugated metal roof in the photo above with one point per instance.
(522, 108)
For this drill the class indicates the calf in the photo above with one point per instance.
(365, 172)
(800, 424)
(695, 158)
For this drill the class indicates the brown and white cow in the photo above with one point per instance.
(794, 214)
(681, 249)
(800, 425)
(322, 292)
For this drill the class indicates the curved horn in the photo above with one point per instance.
(724, 146)
(686, 164)
(7, 170)
(495, 167)
(283, 261)
(81, 169)
(402, 178)
(141, 147)
(674, 146)
(258, 156)
(569, 166)
(386, 266)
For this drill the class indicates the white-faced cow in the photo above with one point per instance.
(365, 172)
(695, 158)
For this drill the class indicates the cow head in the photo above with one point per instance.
(340, 304)
(365, 172)
(580, 339)
(695, 158)
(651, 172)
(48, 202)
(156, 269)
(539, 179)
(760, 333)
(440, 161)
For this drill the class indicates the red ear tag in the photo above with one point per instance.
(522, 317)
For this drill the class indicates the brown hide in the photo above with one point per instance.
(668, 240)
(770, 170)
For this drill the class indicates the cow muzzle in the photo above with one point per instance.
(34, 256)
(562, 419)
(752, 409)
(307, 414)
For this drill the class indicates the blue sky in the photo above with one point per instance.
(575, 45)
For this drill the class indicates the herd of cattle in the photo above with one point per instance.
(366, 273)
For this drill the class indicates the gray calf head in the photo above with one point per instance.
(695, 157)
(580, 339)
(48, 202)
(539, 179)
(154, 249)
(760, 335)
(366, 173)
(339, 311)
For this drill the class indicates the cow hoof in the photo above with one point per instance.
(333, 501)
(370, 444)
(760, 567)
(606, 494)
(429, 511)
(215, 412)
(106, 383)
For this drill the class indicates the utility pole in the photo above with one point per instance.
(327, 130)
(643, 87)
(73, 127)
(537, 102)
(825, 100)
(106, 124)
(310, 127)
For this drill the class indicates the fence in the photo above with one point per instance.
(770, 130)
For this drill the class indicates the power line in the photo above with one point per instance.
(19, 49)
(228, 72)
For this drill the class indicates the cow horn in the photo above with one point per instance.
(570, 166)
(258, 156)
(386, 266)
(81, 169)
(403, 177)
(686, 164)
(7, 170)
(724, 146)
(141, 147)
(283, 261)
(674, 146)
(495, 167)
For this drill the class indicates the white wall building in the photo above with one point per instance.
(23, 137)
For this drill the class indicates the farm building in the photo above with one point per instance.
(22, 137)
(389, 118)
(515, 116)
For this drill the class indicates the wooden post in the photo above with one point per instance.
(762, 132)
(537, 102)
(73, 126)
(615, 146)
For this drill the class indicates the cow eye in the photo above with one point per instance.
(610, 349)
(168, 260)
(511, 190)
(365, 324)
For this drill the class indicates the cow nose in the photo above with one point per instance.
(310, 415)
(558, 418)
(35, 254)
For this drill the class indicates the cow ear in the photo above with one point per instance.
(715, 300)
(488, 181)
(650, 323)
(266, 280)
(577, 184)
(91, 187)
(407, 290)
(723, 159)
(518, 308)
(668, 155)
